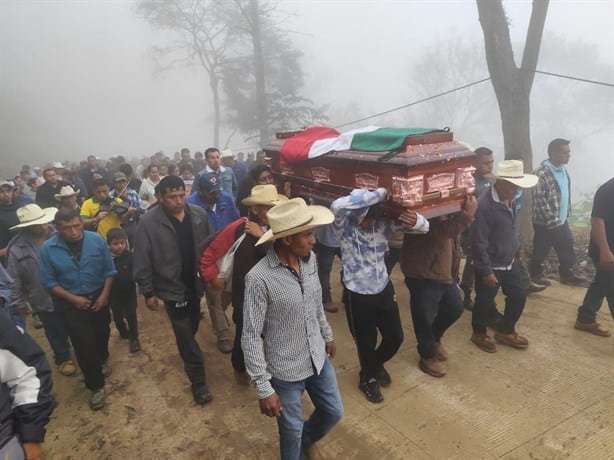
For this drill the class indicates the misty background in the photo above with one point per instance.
(79, 78)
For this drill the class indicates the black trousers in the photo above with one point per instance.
(561, 239)
(185, 321)
(514, 283)
(89, 333)
(368, 314)
(236, 358)
(434, 308)
(124, 313)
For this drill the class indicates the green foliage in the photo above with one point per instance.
(581, 211)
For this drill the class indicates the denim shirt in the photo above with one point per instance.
(227, 180)
(58, 266)
(363, 249)
(225, 211)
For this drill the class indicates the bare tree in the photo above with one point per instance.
(204, 38)
(512, 84)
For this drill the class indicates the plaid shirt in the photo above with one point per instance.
(547, 198)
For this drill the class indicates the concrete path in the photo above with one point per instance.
(554, 400)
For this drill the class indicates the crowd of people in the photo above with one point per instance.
(78, 243)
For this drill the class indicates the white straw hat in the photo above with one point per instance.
(265, 195)
(65, 192)
(292, 217)
(226, 154)
(513, 171)
(32, 214)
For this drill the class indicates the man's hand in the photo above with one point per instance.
(270, 406)
(490, 280)
(253, 229)
(100, 303)
(81, 303)
(152, 303)
(101, 215)
(471, 205)
(408, 218)
(2, 252)
(331, 349)
(33, 450)
(218, 284)
(606, 261)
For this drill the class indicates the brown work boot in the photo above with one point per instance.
(432, 367)
(67, 368)
(440, 352)
(593, 328)
(484, 342)
(313, 452)
(513, 340)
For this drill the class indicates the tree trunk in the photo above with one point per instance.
(261, 104)
(513, 85)
(214, 83)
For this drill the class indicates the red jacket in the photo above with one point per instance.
(216, 249)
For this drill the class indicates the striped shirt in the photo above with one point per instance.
(284, 327)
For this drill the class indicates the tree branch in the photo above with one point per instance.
(533, 42)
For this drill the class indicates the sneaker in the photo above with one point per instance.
(383, 377)
(513, 340)
(535, 287)
(468, 303)
(135, 346)
(201, 395)
(484, 342)
(572, 279)
(330, 307)
(593, 328)
(440, 352)
(38, 324)
(541, 280)
(224, 344)
(97, 399)
(371, 390)
(67, 368)
(106, 369)
(431, 367)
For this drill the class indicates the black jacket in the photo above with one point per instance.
(8, 218)
(25, 385)
(494, 235)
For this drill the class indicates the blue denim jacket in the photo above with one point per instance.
(227, 180)
(58, 267)
(225, 210)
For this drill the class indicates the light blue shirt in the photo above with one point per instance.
(363, 249)
(560, 174)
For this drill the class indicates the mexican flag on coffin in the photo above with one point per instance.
(318, 140)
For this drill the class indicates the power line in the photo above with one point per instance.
(585, 80)
(415, 102)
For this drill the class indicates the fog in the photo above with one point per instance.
(78, 78)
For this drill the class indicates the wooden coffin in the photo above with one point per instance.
(430, 174)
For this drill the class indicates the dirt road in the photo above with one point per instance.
(554, 400)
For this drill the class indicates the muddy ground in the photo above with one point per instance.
(554, 400)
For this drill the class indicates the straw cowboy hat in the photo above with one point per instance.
(32, 214)
(513, 171)
(294, 216)
(226, 154)
(65, 192)
(265, 195)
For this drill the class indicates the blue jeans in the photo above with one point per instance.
(325, 256)
(54, 324)
(434, 308)
(602, 286)
(294, 432)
